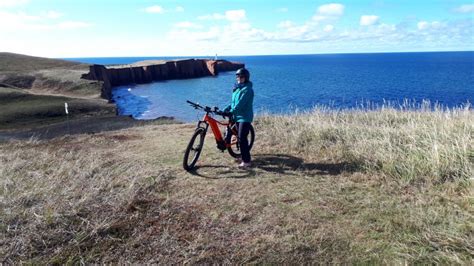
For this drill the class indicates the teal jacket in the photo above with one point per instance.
(241, 105)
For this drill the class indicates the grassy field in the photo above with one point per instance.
(21, 109)
(46, 76)
(33, 91)
(20, 63)
(383, 186)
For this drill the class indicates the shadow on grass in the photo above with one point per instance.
(222, 171)
(288, 164)
(273, 163)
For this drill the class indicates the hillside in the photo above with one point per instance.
(19, 62)
(24, 110)
(379, 187)
(33, 91)
(46, 76)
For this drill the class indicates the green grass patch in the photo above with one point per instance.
(21, 109)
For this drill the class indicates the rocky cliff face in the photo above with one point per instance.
(150, 71)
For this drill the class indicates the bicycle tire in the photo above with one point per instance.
(234, 149)
(201, 132)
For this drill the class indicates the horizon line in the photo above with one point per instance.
(256, 55)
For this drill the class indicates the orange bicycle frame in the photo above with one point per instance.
(214, 124)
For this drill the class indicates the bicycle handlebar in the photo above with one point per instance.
(208, 109)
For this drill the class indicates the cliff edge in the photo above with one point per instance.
(155, 70)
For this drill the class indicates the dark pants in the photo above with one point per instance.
(243, 129)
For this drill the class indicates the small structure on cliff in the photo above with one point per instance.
(155, 70)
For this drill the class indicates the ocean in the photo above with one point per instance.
(289, 83)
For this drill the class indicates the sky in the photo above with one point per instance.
(126, 28)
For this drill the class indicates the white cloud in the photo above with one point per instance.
(368, 20)
(387, 28)
(324, 32)
(183, 35)
(328, 28)
(215, 16)
(294, 33)
(422, 25)
(331, 10)
(235, 15)
(188, 25)
(16, 17)
(12, 3)
(328, 12)
(233, 34)
(285, 24)
(71, 25)
(12, 22)
(312, 30)
(20, 21)
(52, 14)
(219, 39)
(425, 25)
(465, 9)
(234, 29)
(231, 15)
(155, 9)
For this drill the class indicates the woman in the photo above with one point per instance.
(241, 109)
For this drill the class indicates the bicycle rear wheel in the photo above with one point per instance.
(234, 148)
(191, 155)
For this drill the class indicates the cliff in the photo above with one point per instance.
(150, 71)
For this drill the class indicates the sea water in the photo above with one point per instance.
(285, 83)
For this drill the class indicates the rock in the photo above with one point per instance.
(150, 71)
(223, 65)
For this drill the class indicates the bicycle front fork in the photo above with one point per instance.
(221, 145)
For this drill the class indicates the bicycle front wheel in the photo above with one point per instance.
(191, 155)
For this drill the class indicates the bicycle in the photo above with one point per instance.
(200, 133)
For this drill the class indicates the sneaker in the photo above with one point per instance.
(245, 165)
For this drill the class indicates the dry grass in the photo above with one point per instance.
(313, 195)
(414, 145)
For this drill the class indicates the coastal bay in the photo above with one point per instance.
(34, 90)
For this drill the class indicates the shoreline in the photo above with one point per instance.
(34, 90)
(149, 71)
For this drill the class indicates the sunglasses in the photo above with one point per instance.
(239, 76)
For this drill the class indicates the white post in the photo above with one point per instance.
(67, 117)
